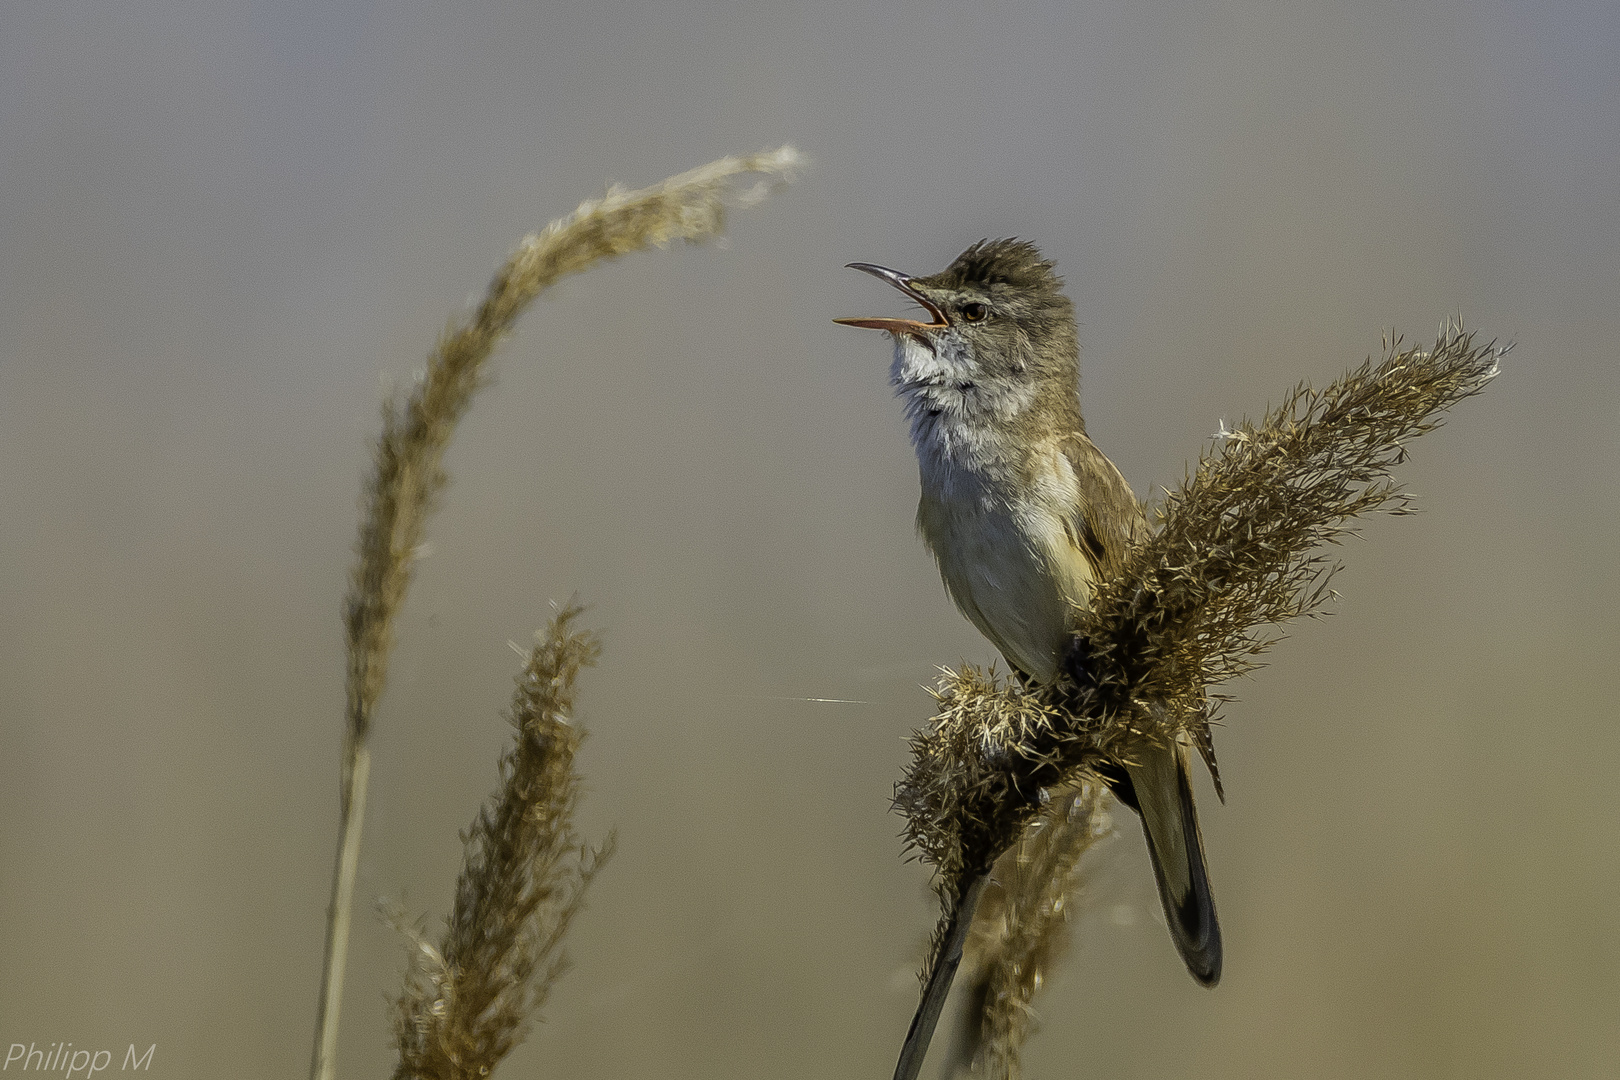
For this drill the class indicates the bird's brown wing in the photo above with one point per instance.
(1110, 519)
(1110, 523)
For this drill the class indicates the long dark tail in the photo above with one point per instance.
(1158, 787)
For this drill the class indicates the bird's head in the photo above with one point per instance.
(1000, 337)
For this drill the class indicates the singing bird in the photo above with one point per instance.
(1024, 514)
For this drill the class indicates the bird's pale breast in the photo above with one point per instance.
(1008, 556)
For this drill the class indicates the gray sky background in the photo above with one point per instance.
(225, 226)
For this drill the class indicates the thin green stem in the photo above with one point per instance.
(340, 914)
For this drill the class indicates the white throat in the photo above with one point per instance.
(957, 414)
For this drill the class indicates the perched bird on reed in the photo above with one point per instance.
(1024, 514)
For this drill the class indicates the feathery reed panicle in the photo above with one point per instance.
(1235, 552)
(967, 759)
(468, 1000)
(408, 473)
(1021, 928)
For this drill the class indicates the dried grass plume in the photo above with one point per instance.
(468, 1000)
(1021, 928)
(409, 474)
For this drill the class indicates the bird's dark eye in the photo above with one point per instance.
(974, 312)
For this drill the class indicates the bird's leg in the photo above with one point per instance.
(1077, 665)
(1077, 662)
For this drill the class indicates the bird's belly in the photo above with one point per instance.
(1014, 574)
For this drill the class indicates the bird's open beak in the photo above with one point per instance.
(898, 326)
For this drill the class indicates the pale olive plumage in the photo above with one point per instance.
(1024, 514)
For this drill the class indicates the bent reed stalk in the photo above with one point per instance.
(408, 476)
(1236, 552)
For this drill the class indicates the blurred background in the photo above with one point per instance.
(229, 227)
